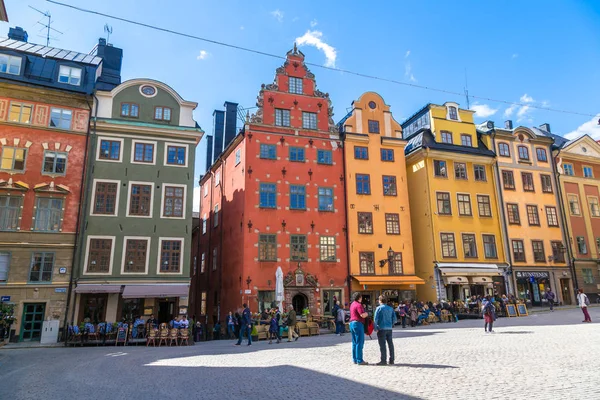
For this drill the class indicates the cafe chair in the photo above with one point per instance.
(151, 338)
(173, 336)
(163, 336)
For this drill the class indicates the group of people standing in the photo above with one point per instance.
(240, 324)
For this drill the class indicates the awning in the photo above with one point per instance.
(389, 280)
(456, 280)
(469, 269)
(145, 291)
(482, 280)
(98, 288)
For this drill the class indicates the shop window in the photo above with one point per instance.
(48, 214)
(527, 178)
(365, 222)
(327, 248)
(464, 204)
(297, 197)
(483, 203)
(132, 308)
(392, 224)
(363, 184)
(268, 195)
(460, 171)
(329, 299)
(532, 215)
(443, 203)
(10, 210)
(518, 251)
(448, 246)
(42, 264)
(367, 263)
(508, 180)
(439, 169)
(479, 173)
(469, 245)
(267, 247)
(588, 276)
(298, 248)
(551, 216)
(325, 199)
(389, 186)
(266, 300)
(489, 246)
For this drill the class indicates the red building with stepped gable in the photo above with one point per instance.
(275, 198)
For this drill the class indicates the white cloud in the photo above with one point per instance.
(509, 111)
(203, 55)
(196, 205)
(313, 23)
(408, 68)
(483, 110)
(522, 114)
(591, 127)
(526, 99)
(407, 54)
(314, 38)
(278, 15)
(523, 110)
(515, 55)
(545, 103)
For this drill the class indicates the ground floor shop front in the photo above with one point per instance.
(531, 284)
(397, 289)
(588, 278)
(460, 281)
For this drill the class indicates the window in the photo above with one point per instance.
(588, 276)
(42, 265)
(298, 197)
(298, 248)
(10, 64)
(503, 149)
(215, 258)
(479, 173)
(551, 216)
(527, 178)
(105, 198)
(130, 110)
(568, 168)
(447, 137)
(484, 206)
(203, 304)
(268, 151)
(373, 126)
(204, 225)
(170, 256)
(55, 163)
(460, 170)
(538, 251)
(140, 200)
(295, 85)
(594, 208)
(489, 246)
(135, 256)
(581, 246)
(267, 247)
(365, 222)
(588, 172)
(217, 178)
(523, 153)
(238, 156)
(533, 216)
(100, 251)
(20, 113)
(518, 251)
(325, 199)
(452, 113)
(268, 195)
(173, 201)
(448, 247)
(13, 158)
(546, 183)
(469, 245)
(392, 224)
(466, 140)
(541, 155)
(327, 248)
(443, 203)
(558, 251)
(143, 152)
(309, 120)
(216, 216)
(389, 186)
(387, 155)
(574, 204)
(203, 263)
(367, 263)
(296, 154)
(4, 265)
(110, 150)
(512, 211)
(282, 117)
(361, 153)
(597, 245)
(10, 209)
(48, 214)
(162, 113)
(176, 155)
(396, 265)
(69, 75)
(439, 168)
(324, 157)
(60, 118)
(363, 184)
(464, 204)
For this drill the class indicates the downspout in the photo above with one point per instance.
(436, 273)
(208, 264)
(222, 224)
(347, 232)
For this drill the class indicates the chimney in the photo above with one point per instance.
(18, 33)
(112, 58)
(545, 127)
(508, 124)
(231, 116)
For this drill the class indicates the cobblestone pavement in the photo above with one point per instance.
(543, 356)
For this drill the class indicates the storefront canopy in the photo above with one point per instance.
(389, 280)
(456, 280)
(469, 269)
(145, 291)
(482, 280)
(98, 288)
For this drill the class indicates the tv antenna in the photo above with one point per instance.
(108, 29)
(467, 90)
(47, 26)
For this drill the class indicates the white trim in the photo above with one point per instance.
(187, 154)
(87, 254)
(152, 86)
(162, 199)
(116, 214)
(119, 135)
(113, 139)
(151, 184)
(449, 104)
(152, 142)
(148, 249)
(158, 258)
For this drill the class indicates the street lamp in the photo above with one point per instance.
(390, 258)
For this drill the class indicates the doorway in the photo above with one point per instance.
(94, 307)
(165, 310)
(299, 302)
(566, 292)
(33, 318)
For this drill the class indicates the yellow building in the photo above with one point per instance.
(378, 227)
(457, 235)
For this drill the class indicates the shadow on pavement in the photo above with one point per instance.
(434, 366)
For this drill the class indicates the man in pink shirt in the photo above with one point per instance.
(357, 329)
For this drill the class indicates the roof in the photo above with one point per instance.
(49, 52)
(425, 139)
(3, 14)
(407, 120)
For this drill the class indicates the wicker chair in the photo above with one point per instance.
(173, 336)
(446, 316)
(184, 336)
(432, 318)
(262, 331)
(303, 329)
(152, 336)
(163, 336)
(313, 328)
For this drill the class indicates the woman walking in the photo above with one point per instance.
(489, 315)
(584, 302)
(230, 325)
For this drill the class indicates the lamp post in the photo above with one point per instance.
(390, 258)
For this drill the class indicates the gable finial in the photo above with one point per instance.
(295, 48)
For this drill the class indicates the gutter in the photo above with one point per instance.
(346, 234)
(433, 242)
(222, 226)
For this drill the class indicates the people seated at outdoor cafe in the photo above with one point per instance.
(175, 323)
(152, 321)
(139, 321)
(184, 323)
(424, 315)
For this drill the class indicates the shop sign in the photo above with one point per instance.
(532, 274)
(390, 293)
(5, 298)
(247, 291)
(60, 290)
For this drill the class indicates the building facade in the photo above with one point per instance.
(135, 244)
(378, 212)
(45, 103)
(457, 235)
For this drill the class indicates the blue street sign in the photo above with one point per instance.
(60, 290)
(531, 279)
(5, 298)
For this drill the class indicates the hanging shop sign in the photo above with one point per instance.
(532, 274)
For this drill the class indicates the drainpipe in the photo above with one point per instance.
(347, 233)
(220, 252)
(208, 264)
(433, 241)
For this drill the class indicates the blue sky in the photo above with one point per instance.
(542, 53)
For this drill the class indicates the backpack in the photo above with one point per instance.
(587, 301)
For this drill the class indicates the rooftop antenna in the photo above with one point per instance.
(47, 25)
(108, 29)
(467, 91)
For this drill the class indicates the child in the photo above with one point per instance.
(273, 330)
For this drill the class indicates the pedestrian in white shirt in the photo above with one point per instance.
(584, 302)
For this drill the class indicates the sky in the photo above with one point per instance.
(536, 53)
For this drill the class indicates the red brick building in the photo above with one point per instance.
(275, 198)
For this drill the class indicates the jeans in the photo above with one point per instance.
(586, 314)
(357, 329)
(230, 331)
(403, 319)
(339, 327)
(248, 330)
(485, 327)
(385, 336)
(551, 302)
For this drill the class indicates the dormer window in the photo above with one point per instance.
(295, 85)
(131, 110)
(452, 113)
(10, 64)
(162, 113)
(69, 75)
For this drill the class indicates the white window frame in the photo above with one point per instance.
(87, 255)
(62, 111)
(455, 105)
(70, 75)
(93, 199)
(134, 142)
(238, 156)
(148, 240)
(217, 178)
(159, 255)
(309, 114)
(205, 190)
(162, 200)
(8, 255)
(187, 154)
(112, 139)
(129, 186)
(9, 59)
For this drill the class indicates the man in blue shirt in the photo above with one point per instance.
(385, 319)
(246, 325)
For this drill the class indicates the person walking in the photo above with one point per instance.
(291, 324)
(274, 329)
(385, 319)
(246, 326)
(489, 315)
(357, 329)
(230, 325)
(402, 314)
(340, 321)
(549, 296)
(584, 302)
(278, 319)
